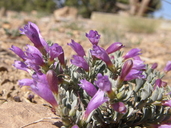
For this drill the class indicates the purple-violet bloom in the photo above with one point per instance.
(77, 48)
(134, 74)
(75, 126)
(105, 85)
(138, 64)
(159, 83)
(154, 66)
(103, 82)
(33, 33)
(167, 67)
(88, 87)
(100, 53)
(52, 80)
(132, 53)
(97, 100)
(34, 58)
(114, 47)
(39, 85)
(163, 125)
(119, 107)
(80, 62)
(55, 51)
(166, 103)
(132, 70)
(93, 37)
(21, 65)
(18, 51)
(126, 69)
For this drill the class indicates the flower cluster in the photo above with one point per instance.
(102, 89)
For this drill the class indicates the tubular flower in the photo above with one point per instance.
(167, 125)
(167, 67)
(18, 51)
(138, 64)
(88, 87)
(52, 81)
(55, 51)
(80, 62)
(100, 53)
(97, 100)
(119, 107)
(166, 103)
(159, 83)
(34, 56)
(132, 53)
(39, 85)
(77, 48)
(134, 74)
(103, 82)
(21, 65)
(93, 37)
(154, 66)
(33, 33)
(75, 126)
(114, 47)
(126, 69)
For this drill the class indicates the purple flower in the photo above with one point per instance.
(88, 87)
(164, 125)
(32, 32)
(33, 50)
(166, 103)
(167, 125)
(77, 48)
(100, 53)
(132, 53)
(52, 81)
(80, 62)
(119, 107)
(114, 47)
(154, 66)
(159, 83)
(103, 82)
(97, 100)
(132, 70)
(34, 57)
(134, 74)
(138, 63)
(39, 85)
(93, 37)
(55, 51)
(75, 126)
(18, 51)
(126, 69)
(168, 66)
(21, 65)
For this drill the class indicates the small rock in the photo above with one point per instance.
(65, 13)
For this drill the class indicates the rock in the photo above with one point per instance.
(17, 115)
(65, 13)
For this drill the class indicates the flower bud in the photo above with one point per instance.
(114, 47)
(167, 67)
(126, 69)
(154, 66)
(93, 37)
(52, 81)
(132, 53)
(119, 107)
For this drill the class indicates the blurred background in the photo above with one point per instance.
(86, 7)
